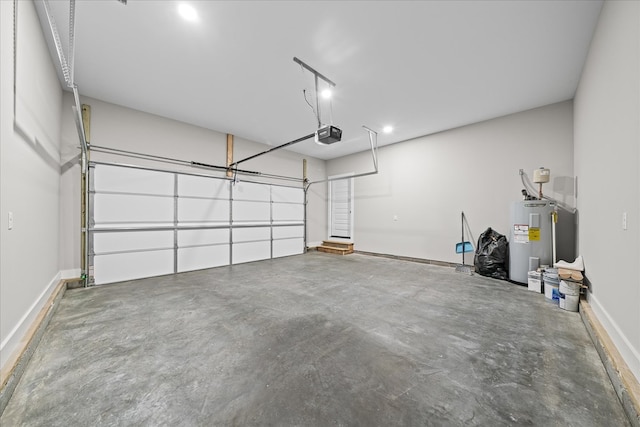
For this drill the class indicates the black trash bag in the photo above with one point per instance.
(492, 255)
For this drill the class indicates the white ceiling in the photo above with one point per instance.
(420, 66)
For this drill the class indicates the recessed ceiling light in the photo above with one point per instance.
(187, 12)
(387, 129)
(326, 94)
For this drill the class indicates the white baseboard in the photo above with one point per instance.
(630, 354)
(313, 244)
(14, 340)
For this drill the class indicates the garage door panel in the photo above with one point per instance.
(288, 212)
(288, 232)
(251, 191)
(203, 211)
(251, 211)
(202, 257)
(287, 194)
(251, 234)
(254, 251)
(132, 241)
(202, 237)
(133, 181)
(200, 186)
(129, 266)
(132, 209)
(288, 247)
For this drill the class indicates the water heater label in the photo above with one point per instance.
(534, 234)
(521, 233)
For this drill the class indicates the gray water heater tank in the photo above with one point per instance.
(530, 237)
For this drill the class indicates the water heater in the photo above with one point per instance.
(530, 241)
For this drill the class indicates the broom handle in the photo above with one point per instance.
(462, 238)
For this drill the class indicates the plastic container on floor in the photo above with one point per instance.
(534, 281)
(551, 291)
(569, 302)
(569, 288)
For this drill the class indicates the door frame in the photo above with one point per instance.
(332, 178)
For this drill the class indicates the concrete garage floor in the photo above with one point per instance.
(314, 340)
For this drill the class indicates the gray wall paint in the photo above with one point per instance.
(29, 176)
(123, 128)
(427, 181)
(607, 159)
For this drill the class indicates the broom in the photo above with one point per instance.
(462, 248)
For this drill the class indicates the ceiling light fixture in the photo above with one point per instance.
(187, 12)
(326, 94)
(387, 129)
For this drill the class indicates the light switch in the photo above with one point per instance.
(10, 221)
(624, 220)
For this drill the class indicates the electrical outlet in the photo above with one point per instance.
(624, 220)
(395, 217)
(10, 221)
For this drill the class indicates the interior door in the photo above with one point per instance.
(341, 223)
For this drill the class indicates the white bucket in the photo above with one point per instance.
(569, 288)
(569, 302)
(551, 292)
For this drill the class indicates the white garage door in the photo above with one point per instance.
(146, 223)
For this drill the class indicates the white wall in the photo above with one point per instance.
(29, 175)
(428, 181)
(607, 159)
(126, 129)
